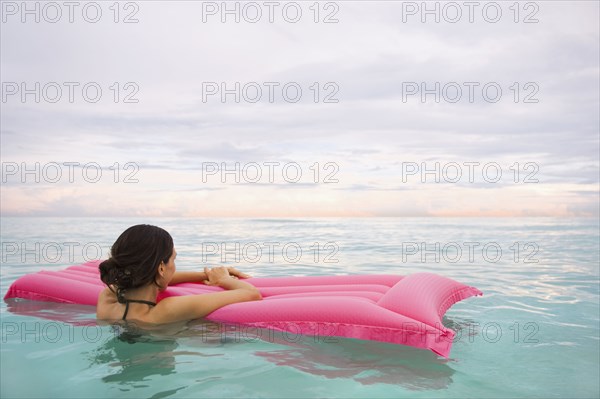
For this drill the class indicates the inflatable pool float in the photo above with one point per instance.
(405, 310)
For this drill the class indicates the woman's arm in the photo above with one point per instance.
(198, 277)
(190, 307)
(187, 277)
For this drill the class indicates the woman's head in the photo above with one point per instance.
(137, 256)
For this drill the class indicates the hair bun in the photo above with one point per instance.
(112, 273)
(124, 277)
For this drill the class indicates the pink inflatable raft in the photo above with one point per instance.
(405, 310)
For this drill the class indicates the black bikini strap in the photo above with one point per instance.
(136, 301)
(141, 301)
(126, 309)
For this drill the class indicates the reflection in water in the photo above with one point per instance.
(133, 354)
(136, 353)
(128, 353)
(366, 362)
(63, 312)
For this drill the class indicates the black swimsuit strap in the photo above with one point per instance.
(141, 301)
(136, 301)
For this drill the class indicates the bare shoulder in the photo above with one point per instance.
(106, 300)
(106, 295)
(188, 307)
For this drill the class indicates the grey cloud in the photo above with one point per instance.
(369, 54)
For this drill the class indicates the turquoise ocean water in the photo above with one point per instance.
(534, 333)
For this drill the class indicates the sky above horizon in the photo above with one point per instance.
(343, 108)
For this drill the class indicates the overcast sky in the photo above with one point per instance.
(517, 93)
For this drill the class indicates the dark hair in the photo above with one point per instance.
(135, 258)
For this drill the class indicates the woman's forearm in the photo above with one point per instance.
(187, 277)
(235, 284)
(230, 283)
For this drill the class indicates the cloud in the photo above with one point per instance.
(369, 59)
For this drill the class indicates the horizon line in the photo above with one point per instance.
(305, 217)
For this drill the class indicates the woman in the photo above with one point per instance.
(142, 263)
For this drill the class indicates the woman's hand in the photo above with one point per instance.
(203, 277)
(215, 275)
(236, 273)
